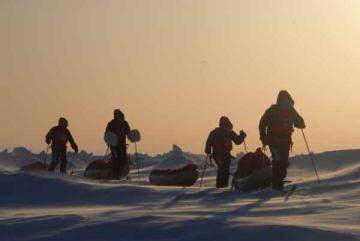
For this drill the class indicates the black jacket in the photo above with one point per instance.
(220, 141)
(278, 124)
(58, 137)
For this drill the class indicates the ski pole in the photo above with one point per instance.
(204, 170)
(311, 156)
(137, 160)
(46, 154)
(245, 147)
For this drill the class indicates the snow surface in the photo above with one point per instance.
(52, 206)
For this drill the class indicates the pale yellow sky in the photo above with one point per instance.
(174, 67)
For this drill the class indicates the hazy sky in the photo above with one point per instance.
(174, 67)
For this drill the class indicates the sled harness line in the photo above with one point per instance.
(106, 152)
(46, 154)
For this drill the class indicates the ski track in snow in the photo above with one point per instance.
(51, 206)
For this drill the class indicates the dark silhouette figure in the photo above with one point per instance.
(58, 137)
(276, 128)
(120, 127)
(219, 143)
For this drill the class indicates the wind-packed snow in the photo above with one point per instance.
(51, 206)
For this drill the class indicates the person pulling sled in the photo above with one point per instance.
(276, 128)
(115, 136)
(58, 137)
(219, 146)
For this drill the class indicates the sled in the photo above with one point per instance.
(102, 170)
(253, 172)
(183, 177)
(176, 170)
(34, 167)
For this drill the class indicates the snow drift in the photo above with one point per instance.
(51, 206)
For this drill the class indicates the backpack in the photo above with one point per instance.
(222, 144)
(280, 124)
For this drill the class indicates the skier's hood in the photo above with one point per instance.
(284, 100)
(119, 115)
(63, 122)
(225, 123)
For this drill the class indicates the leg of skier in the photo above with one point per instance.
(223, 172)
(63, 162)
(280, 154)
(115, 162)
(54, 161)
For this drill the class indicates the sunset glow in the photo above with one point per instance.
(175, 67)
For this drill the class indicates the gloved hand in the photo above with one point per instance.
(242, 134)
